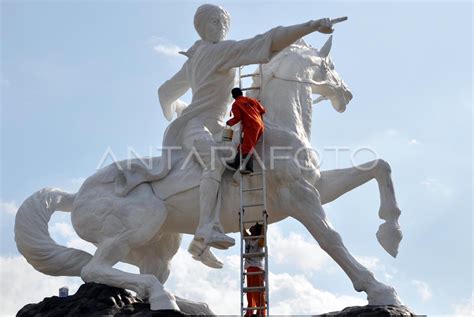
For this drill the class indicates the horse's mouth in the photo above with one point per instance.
(340, 101)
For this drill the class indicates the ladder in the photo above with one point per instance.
(247, 191)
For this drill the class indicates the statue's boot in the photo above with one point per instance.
(215, 238)
(203, 253)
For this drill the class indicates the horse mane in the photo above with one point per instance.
(292, 66)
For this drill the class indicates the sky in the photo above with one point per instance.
(79, 78)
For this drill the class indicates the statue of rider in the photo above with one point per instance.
(210, 73)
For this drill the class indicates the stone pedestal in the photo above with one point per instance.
(101, 300)
(372, 311)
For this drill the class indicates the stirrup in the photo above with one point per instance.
(202, 253)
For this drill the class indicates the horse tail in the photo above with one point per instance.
(33, 239)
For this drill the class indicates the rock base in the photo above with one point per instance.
(101, 300)
(372, 311)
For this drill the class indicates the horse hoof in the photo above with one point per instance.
(163, 302)
(383, 295)
(389, 236)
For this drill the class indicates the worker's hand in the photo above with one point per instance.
(227, 123)
(323, 25)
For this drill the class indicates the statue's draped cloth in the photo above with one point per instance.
(210, 73)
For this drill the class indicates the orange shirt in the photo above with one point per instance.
(247, 110)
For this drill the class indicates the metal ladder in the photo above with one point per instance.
(261, 191)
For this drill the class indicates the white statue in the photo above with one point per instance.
(131, 219)
(210, 73)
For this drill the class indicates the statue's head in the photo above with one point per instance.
(212, 22)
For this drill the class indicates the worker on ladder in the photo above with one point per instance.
(255, 270)
(249, 112)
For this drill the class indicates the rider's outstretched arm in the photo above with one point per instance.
(285, 36)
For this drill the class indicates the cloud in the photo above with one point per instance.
(164, 47)
(220, 289)
(78, 243)
(291, 248)
(62, 229)
(8, 207)
(21, 284)
(192, 280)
(423, 289)
(375, 265)
(64, 234)
(296, 295)
(435, 186)
(370, 262)
(414, 142)
(466, 308)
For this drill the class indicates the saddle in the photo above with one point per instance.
(185, 174)
(178, 180)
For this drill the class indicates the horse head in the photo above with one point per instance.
(302, 63)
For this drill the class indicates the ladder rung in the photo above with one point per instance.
(249, 75)
(252, 205)
(254, 289)
(252, 189)
(254, 237)
(254, 273)
(253, 221)
(250, 88)
(253, 255)
(255, 308)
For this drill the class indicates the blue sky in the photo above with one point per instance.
(78, 77)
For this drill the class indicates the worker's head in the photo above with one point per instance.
(256, 229)
(212, 22)
(236, 92)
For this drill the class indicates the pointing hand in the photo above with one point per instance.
(324, 25)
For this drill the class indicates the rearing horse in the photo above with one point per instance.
(144, 229)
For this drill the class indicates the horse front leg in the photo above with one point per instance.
(305, 206)
(335, 183)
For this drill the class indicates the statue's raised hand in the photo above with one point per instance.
(323, 25)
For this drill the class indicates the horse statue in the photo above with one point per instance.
(145, 227)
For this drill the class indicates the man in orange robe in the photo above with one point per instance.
(255, 266)
(249, 112)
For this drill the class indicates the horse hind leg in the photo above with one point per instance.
(155, 260)
(115, 248)
(100, 270)
(156, 257)
(306, 208)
